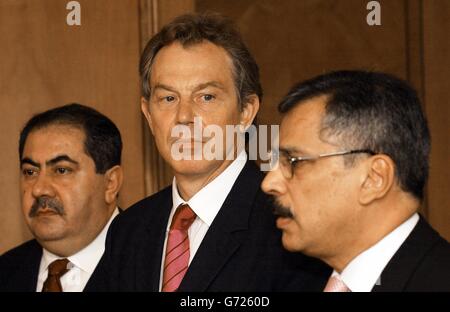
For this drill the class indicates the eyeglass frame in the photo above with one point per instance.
(294, 160)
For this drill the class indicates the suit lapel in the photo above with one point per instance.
(148, 263)
(403, 264)
(226, 233)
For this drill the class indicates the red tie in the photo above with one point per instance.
(177, 250)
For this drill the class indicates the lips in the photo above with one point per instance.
(283, 222)
(191, 144)
(191, 141)
(46, 212)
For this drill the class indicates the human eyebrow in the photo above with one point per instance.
(205, 85)
(29, 161)
(293, 151)
(60, 158)
(164, 87)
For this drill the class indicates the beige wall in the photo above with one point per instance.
(45, 63)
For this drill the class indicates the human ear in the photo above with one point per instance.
(249, 111)
(114, 180)
(145, 108)
(379, 178)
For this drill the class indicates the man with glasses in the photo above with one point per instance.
(353, 163)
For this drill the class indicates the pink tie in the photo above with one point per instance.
(335, 284)
(177, 250)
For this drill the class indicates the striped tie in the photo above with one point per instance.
(335, 284)
(177, 250)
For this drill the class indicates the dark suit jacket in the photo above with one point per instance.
(241, 251)
(421, 264)
(19, 268)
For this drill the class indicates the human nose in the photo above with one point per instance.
(43, 186)
(273, 182)
(185, 112)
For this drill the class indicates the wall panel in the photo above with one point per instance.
(436, 31)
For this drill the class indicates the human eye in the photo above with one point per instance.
(205, 98)
(284, 159)
(29, 172)
(208, 97)
(167, 101)
(168, 98)
(294, 161)
(301, 161)
(164, 98)
(291, 160)
(63, 170)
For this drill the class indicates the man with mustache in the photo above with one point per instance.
(353, 163)
(70, 177)
(212, 229)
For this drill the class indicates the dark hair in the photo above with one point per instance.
(191, 29)
(103, 142)
(375, 111)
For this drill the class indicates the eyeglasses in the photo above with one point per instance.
(287, 163)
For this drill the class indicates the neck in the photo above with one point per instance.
(189, 185)
(372, 228)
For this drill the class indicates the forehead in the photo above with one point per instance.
(50, 141)
(192, 64)
(301, 126)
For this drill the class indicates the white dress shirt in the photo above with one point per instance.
(82, 264)
(206, 203)
(364, 271)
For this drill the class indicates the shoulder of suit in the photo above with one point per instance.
(429, 245)
(440, 248)
(139, 209)
(23, 251)
(432, 272)
(428, 234)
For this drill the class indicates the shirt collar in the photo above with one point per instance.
(364, 271)
(87, 258)
(207, 202)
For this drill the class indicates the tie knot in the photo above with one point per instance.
(336, 284)
(183, 218)
(58, 267)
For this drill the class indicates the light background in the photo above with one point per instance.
(46, 63)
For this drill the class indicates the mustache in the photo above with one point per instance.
(43, 202)
(281, 211)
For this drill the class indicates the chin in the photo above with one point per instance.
(48, 236)
(194, 167)
(47, 231)
(291, 244)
